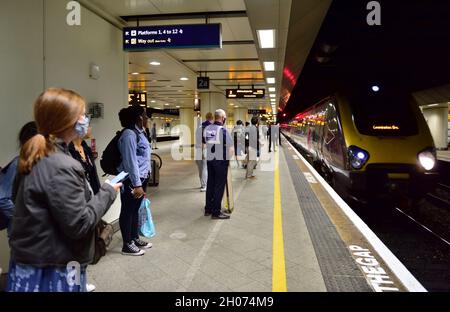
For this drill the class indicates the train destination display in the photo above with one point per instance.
(172, 36)
(245, 93)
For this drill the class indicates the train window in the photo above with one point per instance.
(384, 114)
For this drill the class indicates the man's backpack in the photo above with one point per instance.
(111, 157)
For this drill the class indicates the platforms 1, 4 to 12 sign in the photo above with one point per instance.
(172, 36)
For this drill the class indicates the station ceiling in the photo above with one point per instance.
(238, 63)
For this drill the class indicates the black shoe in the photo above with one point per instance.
(132, 250)
(142, 244)
(207, 214)
(220, 216)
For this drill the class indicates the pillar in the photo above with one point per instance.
(211, 101)
(241, 113)
(187, 120)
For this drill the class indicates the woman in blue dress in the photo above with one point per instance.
(52, 234)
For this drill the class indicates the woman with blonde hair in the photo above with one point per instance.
(52, 235)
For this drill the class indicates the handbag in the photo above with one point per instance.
(146, 226)
(103, 236)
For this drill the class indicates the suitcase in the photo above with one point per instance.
(154, 175)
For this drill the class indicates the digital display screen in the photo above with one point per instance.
(245, 93)
(172, 36)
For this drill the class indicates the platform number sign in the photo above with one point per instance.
(202, 83)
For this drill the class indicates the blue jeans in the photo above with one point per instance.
(217, 178)
(129, 212)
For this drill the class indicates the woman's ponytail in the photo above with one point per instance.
(32, 151)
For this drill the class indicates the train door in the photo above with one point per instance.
(333, 149)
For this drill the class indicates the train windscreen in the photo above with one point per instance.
(384, 114)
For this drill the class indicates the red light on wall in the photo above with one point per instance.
(284, 115)
(290, 76)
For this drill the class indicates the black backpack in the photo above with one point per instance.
(111, 157)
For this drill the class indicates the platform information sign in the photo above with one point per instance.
(172, 36)
(245, 93)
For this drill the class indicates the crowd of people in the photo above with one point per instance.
(52, 200)
(213, 150)
(51, 197)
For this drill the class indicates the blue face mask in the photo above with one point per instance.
(82, 127)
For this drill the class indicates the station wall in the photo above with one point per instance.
(40, 50)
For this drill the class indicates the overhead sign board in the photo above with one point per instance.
(202, 83)
(137, 98)
(245, 93)
(257, 111)
(172, 36)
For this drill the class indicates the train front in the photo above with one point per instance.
(390, 150)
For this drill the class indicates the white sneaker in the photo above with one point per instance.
(203, 189)
(90, 287)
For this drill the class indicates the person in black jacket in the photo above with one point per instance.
(81, 151)
(52, 235)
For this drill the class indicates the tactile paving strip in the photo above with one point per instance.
(339, 270)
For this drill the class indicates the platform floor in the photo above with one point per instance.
(194, 253)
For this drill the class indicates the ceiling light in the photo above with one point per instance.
(270, 80)
(152, 101)
(178, 106)
(272, 89)
(155, 63)
(432, 105)
(135, 73)
(375, 88)
(184, 79)
(167, 104)
(272, 95)
(266, 38)
(269, 66)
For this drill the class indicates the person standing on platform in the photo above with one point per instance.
(253, 148)
(135, 150)
(201, 152)
(153, 136)
(56, 214)
(219, 147)
(239, 140)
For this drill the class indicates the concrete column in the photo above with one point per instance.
(187, 120)
(211, 101)
(241, 113)
(437, 120)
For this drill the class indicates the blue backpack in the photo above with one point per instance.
(7, 176)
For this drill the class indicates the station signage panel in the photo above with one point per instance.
(137, 98)
(257, 111)
(203, 83)
(172, 36)
(246, 93)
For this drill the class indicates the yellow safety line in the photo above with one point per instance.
(278, 262)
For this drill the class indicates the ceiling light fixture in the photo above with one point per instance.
(155, 63)
(269, 66)
(272, 95)
(135, 73)
(272, 89)
(270, 80)
(184, 79)
(266, 38)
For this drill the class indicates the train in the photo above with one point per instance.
(367, 146)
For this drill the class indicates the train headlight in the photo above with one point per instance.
(357, 157)
(427, 159)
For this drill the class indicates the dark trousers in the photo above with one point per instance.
(129, 212)
(217, 178)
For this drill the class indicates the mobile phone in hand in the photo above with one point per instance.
(120, 178)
